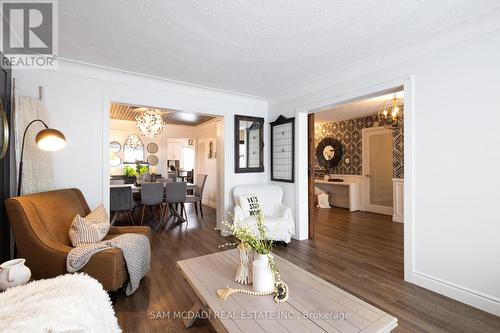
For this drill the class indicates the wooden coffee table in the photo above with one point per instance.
(314, 305)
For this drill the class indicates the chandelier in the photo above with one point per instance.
(391, 116)
(150, 123)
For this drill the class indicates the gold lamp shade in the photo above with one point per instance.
(50, 139)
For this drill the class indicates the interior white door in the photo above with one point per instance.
(377, 169)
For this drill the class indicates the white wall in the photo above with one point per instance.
(456, 117)
(78, 97)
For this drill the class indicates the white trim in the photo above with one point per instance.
(105, 174)
(462, 294)
(398, 200)
(71, 66)
(302, 156)
(365, 165)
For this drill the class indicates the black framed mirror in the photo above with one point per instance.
(248, 144)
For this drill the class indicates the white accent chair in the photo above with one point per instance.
(278, 218)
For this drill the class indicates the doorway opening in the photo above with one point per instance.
(356, 179)
(152, 145)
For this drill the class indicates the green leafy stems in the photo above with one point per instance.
(257, 241)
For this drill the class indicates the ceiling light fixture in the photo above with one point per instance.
(150, 123)
(391, 116)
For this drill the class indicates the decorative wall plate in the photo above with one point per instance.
(152, 148)
(115, 161)
(329, 152)
(115, 146)
(152, 160)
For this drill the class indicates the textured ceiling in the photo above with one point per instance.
(128, 112)
(256, 47)
(356, 109)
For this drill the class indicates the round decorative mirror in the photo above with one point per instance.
(133, 149)
(153, 160)
(115, 146)
(152, 148)
(115, 161)
(329, 152)
(4, 134)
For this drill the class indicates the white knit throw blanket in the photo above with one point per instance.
(136, 251)
(67, 303)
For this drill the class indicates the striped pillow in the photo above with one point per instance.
(89, 229)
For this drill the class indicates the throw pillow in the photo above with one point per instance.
(91, 228)
(250, 205)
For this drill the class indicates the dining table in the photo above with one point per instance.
(136, 191)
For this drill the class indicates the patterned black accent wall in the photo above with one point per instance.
(349, 134)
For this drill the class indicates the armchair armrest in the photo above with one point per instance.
(143, 230)
(285, 213)
(239, 216)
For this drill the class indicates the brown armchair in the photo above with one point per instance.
(41, 222)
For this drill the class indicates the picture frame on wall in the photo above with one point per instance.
(283, 149)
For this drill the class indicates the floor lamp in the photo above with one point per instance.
(48, 139)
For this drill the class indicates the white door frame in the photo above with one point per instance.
(342, 97)
(140, 100)
(365, 153)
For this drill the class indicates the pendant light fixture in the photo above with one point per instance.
(391, 116)
(150, 123)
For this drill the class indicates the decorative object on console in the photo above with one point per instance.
(150, 123)
(329, 153)
(47, 139)
(14, 273)
(283, 149)
(391, 116)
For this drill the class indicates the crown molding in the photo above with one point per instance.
(475, 26)
(94, 71)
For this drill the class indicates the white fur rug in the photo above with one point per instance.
(68, 303)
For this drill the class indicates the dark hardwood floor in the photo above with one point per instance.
(359, 252)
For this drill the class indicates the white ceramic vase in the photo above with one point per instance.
(14, 273)
(262, 274)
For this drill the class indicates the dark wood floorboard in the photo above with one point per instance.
(359, 252)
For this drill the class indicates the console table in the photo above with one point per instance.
(353, 192)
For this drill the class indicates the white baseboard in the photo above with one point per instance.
(462, 294)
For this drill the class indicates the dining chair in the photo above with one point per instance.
(121, 200)
(175, 194)
(196, 198)
(152, 196)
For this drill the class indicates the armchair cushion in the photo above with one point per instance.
(91, 228)
(249, 204)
